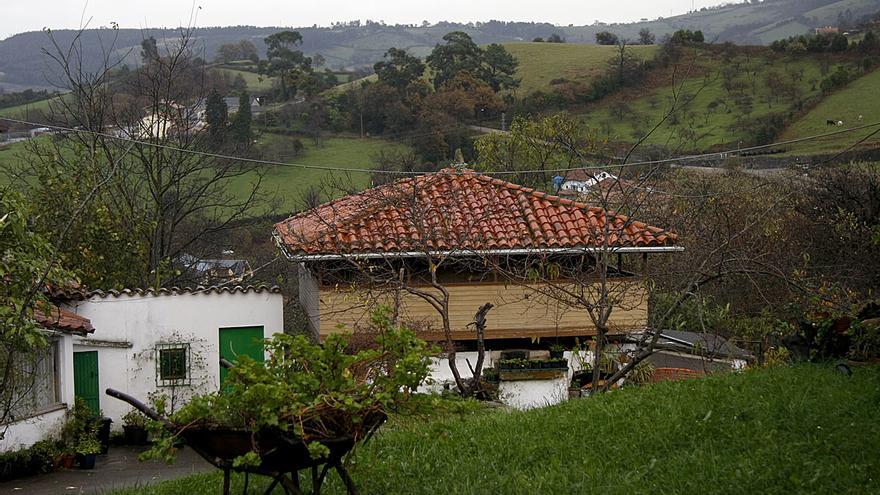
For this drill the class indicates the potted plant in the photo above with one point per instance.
(88, 449)
(134, 427)
(557, 351)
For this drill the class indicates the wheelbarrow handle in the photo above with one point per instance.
(140, 406)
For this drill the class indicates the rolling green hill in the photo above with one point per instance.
(359, 45)
(858, 98)
(540, 63)
(710, 115)
(26, 110)
(288, 183)
(257, 84)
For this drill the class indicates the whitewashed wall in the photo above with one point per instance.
(525, 394)
(24, 433)
(128, 328)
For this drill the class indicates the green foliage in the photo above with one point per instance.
(38, 458)
(864, 340)
(216, 117)
(27, 265)
(839, 78)
(241, 122)
(537, 145)
(88, 444)
(458, 54)
(314, 391)
(134, 418)
(606, 38)
(286, 62)
(399, 69)
(494, 65)
(687, 36)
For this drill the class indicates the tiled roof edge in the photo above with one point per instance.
(200, 289)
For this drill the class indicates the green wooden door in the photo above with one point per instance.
(243, 341)
(85, 378)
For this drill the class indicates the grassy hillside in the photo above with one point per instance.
(27, 110)
(803, 429)
(710, 114)
(540, 63)
(22, 63)
(858, 98)
(256, 83)
(288, 183)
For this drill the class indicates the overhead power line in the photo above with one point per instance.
(407, 173)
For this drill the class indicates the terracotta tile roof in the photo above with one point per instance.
(56, 318)
(457, 210)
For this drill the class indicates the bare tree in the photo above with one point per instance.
(170, 194)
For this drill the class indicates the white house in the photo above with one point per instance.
(41, 405)
(168, 341)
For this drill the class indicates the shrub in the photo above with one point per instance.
(864, 340)
(313, 391)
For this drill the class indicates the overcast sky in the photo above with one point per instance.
(29, 15)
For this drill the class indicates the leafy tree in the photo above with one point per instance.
(646, 37)
(243, 50)
(216, 116)
(459, 54)
(839, 43)
(538, 40)
(285, 61)
(149, 50)
(687, 36)
(606, 38)
(399, 69)
(555, 38)
(27, 264)
(248, 51)
(869, 43)
(499, 68)
(153, 202)
(241, 123)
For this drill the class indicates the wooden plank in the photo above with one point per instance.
(520, 312)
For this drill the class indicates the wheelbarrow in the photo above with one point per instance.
(282, 454)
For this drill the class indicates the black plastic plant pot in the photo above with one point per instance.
(556, 354)
(87, 461)
(135, 435)
(103, 425)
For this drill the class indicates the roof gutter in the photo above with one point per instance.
(481, 252)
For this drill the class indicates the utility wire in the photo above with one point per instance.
(412, 173)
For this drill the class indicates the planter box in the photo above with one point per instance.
(536, 374)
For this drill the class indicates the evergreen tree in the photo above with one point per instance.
(216, 116)
(241, 123)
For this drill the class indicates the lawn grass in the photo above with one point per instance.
(858, 98)
(288, 183)
(800, 429)
(540, 63)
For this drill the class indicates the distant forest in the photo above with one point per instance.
(357, 45)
